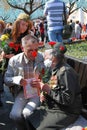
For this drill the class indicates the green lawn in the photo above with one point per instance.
(78, 50)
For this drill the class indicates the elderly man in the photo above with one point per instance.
(19, 72)
(62, 105)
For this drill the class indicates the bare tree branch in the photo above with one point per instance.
(31, 4)
(71, 6)
(84, 9)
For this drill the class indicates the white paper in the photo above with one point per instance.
(29, 91)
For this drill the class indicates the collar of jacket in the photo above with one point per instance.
(57, 68)
(22, 55)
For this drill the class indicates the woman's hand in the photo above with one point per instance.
(8, 55)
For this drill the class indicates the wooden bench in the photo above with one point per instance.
(80, 67)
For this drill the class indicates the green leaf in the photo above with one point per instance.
(3, 43)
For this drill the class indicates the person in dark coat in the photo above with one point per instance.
(63, 103)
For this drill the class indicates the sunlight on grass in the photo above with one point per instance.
(77, 50)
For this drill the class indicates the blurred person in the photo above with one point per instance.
(36, 32)
(77, 30)
(2, 27)
(8, 28)
(73, 28)
(42, 31)
(21, 27)
(45, 31)
(9, 25)
(20, 68)
(63, 103)
(54, 12)
(12, 46)
(1, 87)
(84, 28)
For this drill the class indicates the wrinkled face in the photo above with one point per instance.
(23, 26)
(31, 50)
(54, 61)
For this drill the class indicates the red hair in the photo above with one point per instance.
(16, 26)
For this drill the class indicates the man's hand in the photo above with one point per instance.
(23, 82)
(35, 83)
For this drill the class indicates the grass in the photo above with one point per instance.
(77, 50)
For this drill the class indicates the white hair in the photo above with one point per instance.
(29, 37)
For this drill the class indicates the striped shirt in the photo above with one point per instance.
(54, 10)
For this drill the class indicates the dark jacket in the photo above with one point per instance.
(67, 91)
(63, 104)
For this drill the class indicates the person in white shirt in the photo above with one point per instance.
(77, 30)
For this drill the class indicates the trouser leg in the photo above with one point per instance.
(29, 109)
(21, 109)
(31, 105)
(20, 126)
(16, 112)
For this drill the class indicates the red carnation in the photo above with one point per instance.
(34, 53)
(14, 46)
(11, 44)
(43, 71)
(52, 43)
(83, 128)
(61, 48)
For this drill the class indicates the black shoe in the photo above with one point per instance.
(2, 90)
(1, 104)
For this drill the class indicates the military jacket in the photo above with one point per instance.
(66, 89)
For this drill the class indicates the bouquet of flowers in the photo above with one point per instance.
(3, 41)
(8, 48)
(84, 128)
